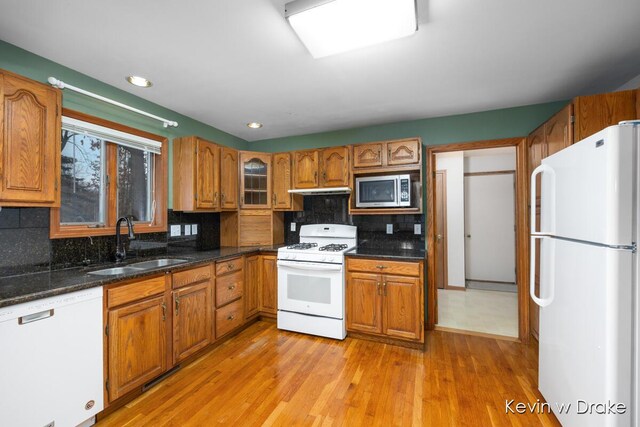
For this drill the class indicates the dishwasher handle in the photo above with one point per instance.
(30, 318)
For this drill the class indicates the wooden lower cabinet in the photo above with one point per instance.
(229, 318)
(269, 285)
(253, 276)
(364, 302)
(385, 305)
(137, 346)
(192, 320)
(401, 309)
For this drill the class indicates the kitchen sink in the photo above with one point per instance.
(138, 266)
(164, 262)
(115, 271)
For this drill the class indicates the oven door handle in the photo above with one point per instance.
(304, 266)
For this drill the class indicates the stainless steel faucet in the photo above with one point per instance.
(121, 252)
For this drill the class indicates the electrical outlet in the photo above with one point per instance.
(187, 230)
(194, 229)
(293, 226)
(389, 228)
(175, 230)
(417, 229)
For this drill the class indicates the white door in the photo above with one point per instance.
(585, 331)
(490, 242)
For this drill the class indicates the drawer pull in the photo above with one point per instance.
(231, 287)
(381, 267)
(230, 266)
(231, 317)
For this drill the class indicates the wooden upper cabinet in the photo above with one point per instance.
(596, 112)
(401, 309)
(196, 174)
(368, 155)
(403, 152)
(305, 169)
(207, 175)
(228, 178)
(558, 131)
(269, 285)
(334, 166)
(137, 345)
(398, 154)
(192, 319)
(281, 199)
(364, 302)
(255, 180)
(30, 138)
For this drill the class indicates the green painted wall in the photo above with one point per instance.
(504, 123)
(22, 62)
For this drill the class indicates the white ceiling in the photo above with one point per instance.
(229, 62)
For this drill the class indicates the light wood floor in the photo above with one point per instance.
(265, 376)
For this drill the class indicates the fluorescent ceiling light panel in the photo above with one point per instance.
(336, 26)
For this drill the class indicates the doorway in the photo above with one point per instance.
(476, 225)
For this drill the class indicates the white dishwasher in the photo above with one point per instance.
(51, 361)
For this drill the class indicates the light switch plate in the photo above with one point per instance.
(194, 229)
(293, 226)
(175, 230)
(187, 230)
(389, 228)
(417, 229)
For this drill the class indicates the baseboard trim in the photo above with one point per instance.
(455, 288)
(476, 334)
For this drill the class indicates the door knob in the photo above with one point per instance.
(468, 236)
(439, 237)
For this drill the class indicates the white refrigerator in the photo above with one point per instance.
(588, 296)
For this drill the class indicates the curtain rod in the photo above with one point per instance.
(62, 85)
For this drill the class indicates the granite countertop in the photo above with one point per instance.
(28, 287)
(387, 253)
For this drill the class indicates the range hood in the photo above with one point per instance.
(321, 191)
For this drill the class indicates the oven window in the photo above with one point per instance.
(377, 191)
(309, 288)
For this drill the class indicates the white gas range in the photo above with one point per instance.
(311, 293)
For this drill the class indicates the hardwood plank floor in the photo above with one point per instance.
(264, 376)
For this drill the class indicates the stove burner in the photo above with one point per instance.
(334, 247)
(303, 246)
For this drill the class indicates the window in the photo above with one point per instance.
(109, 171)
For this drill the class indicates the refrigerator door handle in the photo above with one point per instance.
(543, 302)
(543, 168)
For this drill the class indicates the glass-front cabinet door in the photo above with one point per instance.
(255, 184)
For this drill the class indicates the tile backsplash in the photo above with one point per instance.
(25, 246)
(334, 209)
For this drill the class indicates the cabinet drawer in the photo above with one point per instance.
(229, 287)
(228, 318)
(135, 291)
(384, 266)
(229, 266)
(195, 275)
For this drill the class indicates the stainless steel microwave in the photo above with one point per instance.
(385, 191)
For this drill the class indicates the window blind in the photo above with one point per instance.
(112, 135)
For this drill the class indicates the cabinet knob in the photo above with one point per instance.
(381, 267)
(230, 266)
(231, 287)
(231, 317)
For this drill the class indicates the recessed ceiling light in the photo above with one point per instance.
(139, 81)
(254, 125)
(328, 27)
